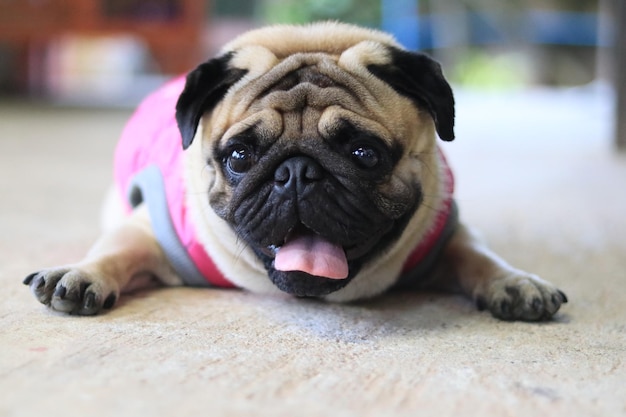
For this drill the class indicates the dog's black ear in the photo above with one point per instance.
(205, 86)
(419, 77)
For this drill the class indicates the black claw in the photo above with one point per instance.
(537, 305)
(505, 308)
(41, 283)
(555, 299)
(512, 291)
(110, 301)
(563, 296)
(29, 278)
(61, 292)
(90, 301)
(83, 288)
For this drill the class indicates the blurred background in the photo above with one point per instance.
(112, 52)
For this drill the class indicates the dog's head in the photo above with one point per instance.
(317, 139)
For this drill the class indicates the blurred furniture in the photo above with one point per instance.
(170, 28)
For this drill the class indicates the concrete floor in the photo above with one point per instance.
(535, 172)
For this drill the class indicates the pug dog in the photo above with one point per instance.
(301, 160)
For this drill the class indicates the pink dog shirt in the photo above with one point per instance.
(148, 169)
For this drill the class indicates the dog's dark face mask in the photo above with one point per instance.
(310, 189)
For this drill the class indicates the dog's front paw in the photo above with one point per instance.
(521, 296)
(72, 290)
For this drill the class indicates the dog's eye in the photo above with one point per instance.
(365, 157)
(240, 160)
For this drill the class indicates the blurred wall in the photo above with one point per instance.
(482, 43)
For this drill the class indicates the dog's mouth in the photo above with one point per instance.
(306, 251)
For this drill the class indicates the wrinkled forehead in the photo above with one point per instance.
(328, 37)
(329, 88)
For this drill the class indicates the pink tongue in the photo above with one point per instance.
(313, 255)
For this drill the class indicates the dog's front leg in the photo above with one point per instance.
(126, 257)
(509, 293)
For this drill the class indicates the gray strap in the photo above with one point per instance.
(148, 187)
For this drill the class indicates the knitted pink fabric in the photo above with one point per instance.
(151, 137)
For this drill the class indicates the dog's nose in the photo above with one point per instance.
(296, 173)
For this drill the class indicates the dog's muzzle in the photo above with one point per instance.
(305, 251)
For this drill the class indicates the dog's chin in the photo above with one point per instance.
(337, 271)
(301, 284)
